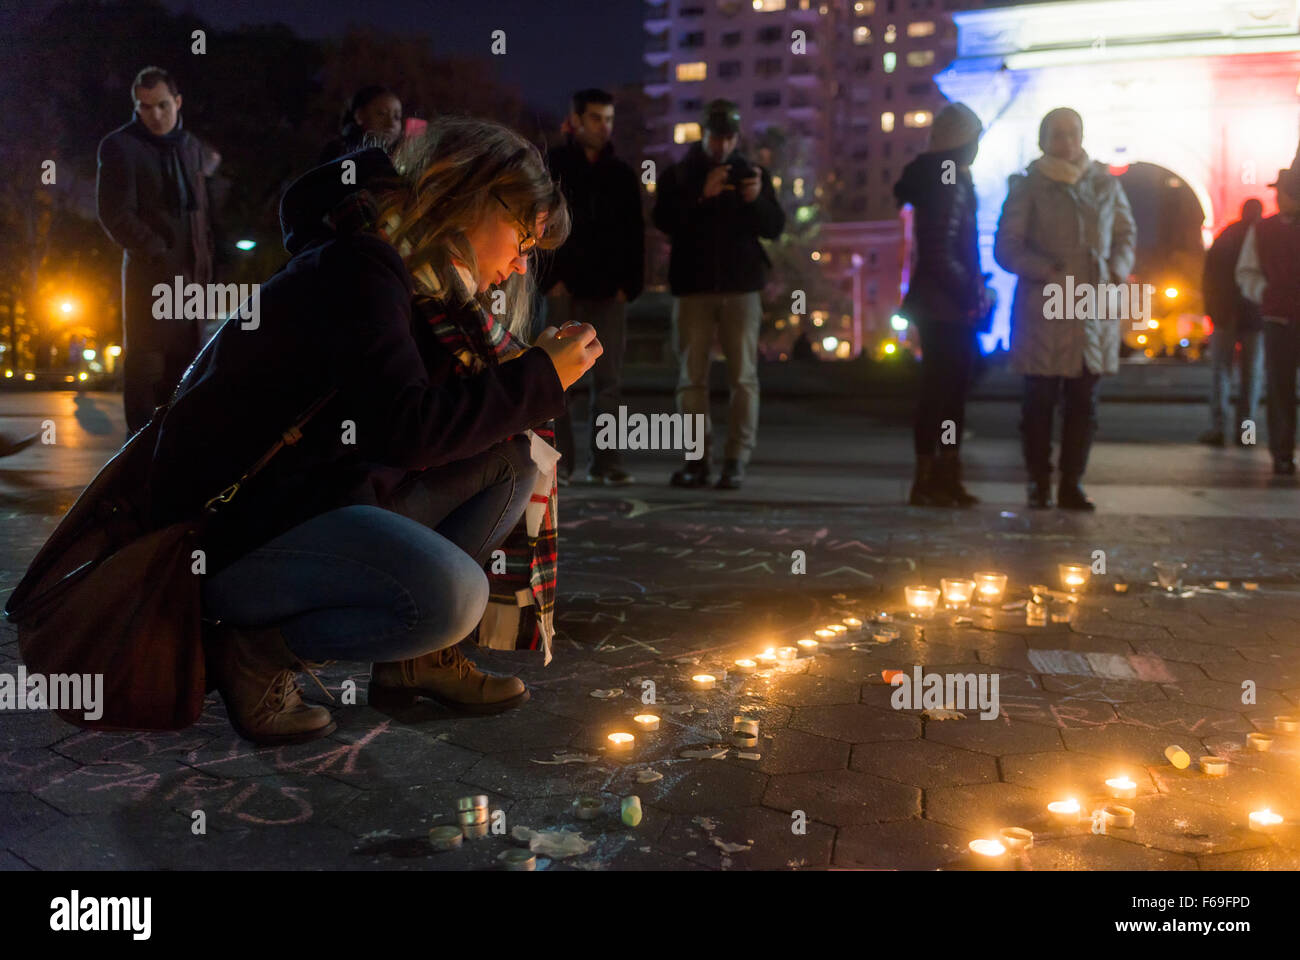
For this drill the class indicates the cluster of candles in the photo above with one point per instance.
(956, 593)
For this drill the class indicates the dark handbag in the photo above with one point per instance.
(110, 594)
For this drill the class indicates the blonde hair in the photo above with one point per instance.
(447, 178)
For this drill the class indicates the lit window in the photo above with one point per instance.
(921, 28)
(798, 186)
(918, 118)
(861, 35)
(692, 71)
(891, 34)
(767, 6)
(920, 58)
(887, 122)
(686, 132)
(891, 61)
(864, 8)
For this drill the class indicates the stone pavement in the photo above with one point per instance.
(659, 585)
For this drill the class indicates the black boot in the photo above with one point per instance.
(948, 479)
(1040, 492)
(695, 473)
(1070, 496)
(926, 491)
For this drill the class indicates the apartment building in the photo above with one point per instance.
(837, 96)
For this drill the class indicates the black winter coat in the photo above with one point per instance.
(946, 284)
(337, 315)
(1230, 311)
(715, 241)
(605, 251)
(139, 209)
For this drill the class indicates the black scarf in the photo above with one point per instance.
(173, 166)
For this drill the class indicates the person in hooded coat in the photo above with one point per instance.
(366, 539)
(946, 299)
(1066, 220)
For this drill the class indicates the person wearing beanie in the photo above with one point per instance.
(1066, 220)
(1267, 276)
(714, 205)
(946, 299)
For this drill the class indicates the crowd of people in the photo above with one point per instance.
(429, 453)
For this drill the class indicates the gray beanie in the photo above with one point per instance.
(954, 126)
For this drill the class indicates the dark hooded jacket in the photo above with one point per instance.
(338, 315)
(946, 284)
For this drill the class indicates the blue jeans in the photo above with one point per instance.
(1222, 348)
(372, 584)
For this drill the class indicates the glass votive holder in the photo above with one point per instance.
(884, 633)
(1075, 576)
(1169, 574)
(921, 601)
(956, 592)
(989, 586)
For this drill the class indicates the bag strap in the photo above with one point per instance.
(288, 438)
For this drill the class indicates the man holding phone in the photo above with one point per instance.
(714, 205)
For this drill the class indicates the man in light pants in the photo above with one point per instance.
(714, 205)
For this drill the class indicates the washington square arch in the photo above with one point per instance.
(1207, 90)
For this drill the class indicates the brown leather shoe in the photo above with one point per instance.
(255, 672)
(448, 677)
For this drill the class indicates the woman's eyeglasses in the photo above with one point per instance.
(526, 241)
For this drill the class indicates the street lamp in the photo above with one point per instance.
(1171, 293)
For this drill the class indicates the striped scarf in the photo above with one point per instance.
(521, 607)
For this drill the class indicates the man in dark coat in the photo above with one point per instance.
(714, 205)
(152, 199)
(600, 268)
(1236, 320)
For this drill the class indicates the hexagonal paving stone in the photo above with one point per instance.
(923, 763)
(92, 746)
(1236, 671)
(1224, 696)
(775, 845)
(1185, 719)
(1069, 774)
(1184, 826)
(511, 731)
(126, 840)
(22, 815)
(900, 845)
(1129, 742)
(1260, 858)
(856, 723)
(99, 788)
(1182, 651)
(1105, 691)
(1098, 627)
(998, 737)
(984, 808)
(792, 751)
(409, 810)
(512, 774)
(1053, 710)
(811, 691)
(1242, 789)
(1091, 852)
(843, 797)
(19, 731)
(30, 770)
(695, 786)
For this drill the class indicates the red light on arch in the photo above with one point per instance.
(1118, 169)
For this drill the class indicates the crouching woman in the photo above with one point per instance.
(365, 539)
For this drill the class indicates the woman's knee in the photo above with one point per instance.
(452, 596)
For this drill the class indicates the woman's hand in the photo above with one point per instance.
(573, 351)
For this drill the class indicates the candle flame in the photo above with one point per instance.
(621, 738)
(988, 848)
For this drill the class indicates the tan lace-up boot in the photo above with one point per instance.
(448, 677)
(255, 672)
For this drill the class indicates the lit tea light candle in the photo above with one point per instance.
(807, 647)
(837, 628)
(1065, 811)
(1074, 576)
(987, 848)
(1259, 741)
(825, 633)
(1122, 788)
(1121, 588)
(921, 601)
(1214, 766)
(446, 838)
(1265, 820)
(989, 586)
(1179, 757)
(885, 634)
(1016, 838)
(1117, 815)
(1221, 584)
(646, 722)
(768, 656)
(853, 623)
(621, 743)
(957, 592)
(786, 654)
(704, 681)
(1249, 585)
(1287, 724)
(746, 666)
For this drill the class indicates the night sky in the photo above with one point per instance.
(553, 47)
